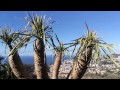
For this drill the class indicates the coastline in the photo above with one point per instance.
(105, 69)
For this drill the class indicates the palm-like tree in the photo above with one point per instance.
(59, 52)
(42, 31)
(10, 39)
(90, 48)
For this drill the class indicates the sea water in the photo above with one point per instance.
(49, 59)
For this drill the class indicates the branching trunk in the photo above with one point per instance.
(56, 65)
(17, 67)
(80, 66)
(41, 69)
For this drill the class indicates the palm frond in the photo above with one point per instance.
(8, 36)
(92, 40)
(41, 28)
(19, 45)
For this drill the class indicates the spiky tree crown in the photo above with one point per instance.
(100, 48)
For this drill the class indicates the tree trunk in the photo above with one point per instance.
(80, 65)
(56, 65)
(17, 67)
(39, 60)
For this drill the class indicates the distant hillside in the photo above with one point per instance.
(115, 55)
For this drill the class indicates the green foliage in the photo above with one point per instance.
(19, 45)
(41, 27)
(100, 48)
(60, 48)
(6, 72)
(12, 39)
(8, 36)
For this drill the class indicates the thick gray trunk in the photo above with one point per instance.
(80, 66)
(39, 60)
(17, 67)
(56, 65)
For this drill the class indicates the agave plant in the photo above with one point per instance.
(42, 31)
(90, 48)
(10, 39)
(59, 51)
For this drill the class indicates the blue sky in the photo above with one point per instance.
(69, 25)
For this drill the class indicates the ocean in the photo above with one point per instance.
(30, 59)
